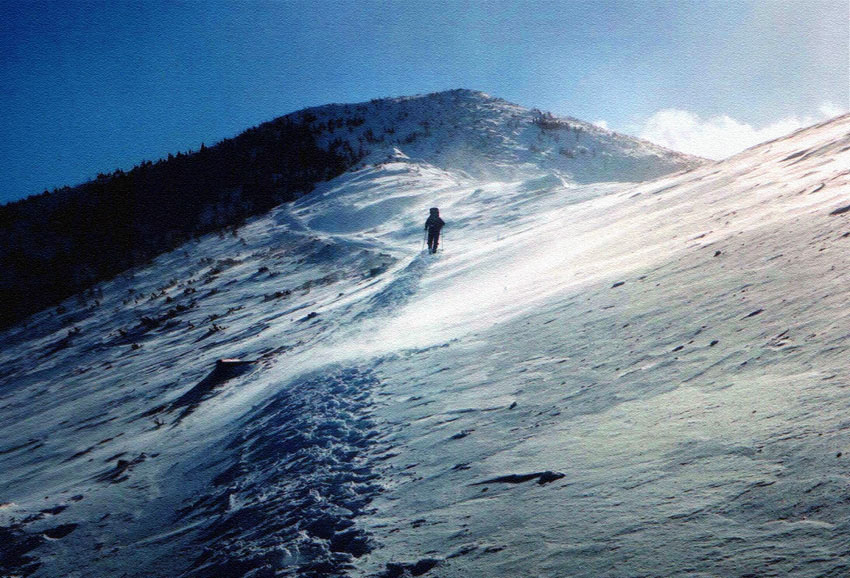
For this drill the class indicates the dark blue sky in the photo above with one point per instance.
(95, 86)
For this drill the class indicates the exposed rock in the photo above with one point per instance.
(399, 570)
(60, 531)
(121, 470)
(841, 210)
(14, 553)
(542, 478)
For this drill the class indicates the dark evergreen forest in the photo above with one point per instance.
(59, 243)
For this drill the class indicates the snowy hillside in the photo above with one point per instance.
(483, 136)
(591, 379)
(58, 244)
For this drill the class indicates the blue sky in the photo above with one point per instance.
(95, 86)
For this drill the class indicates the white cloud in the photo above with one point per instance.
(831, 110)
(602, 124)
(721, 136)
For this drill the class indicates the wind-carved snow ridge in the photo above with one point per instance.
(300, 477)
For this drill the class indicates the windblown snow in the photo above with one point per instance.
(591, 378)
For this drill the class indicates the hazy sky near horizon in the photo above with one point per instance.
(89, 87)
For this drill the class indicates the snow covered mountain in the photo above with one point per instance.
(479, 135)
(58, 244)
(591, 379)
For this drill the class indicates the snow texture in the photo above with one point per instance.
(590, 379)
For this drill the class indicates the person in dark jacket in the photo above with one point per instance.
(433, 226)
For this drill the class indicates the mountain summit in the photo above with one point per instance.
(485, 136)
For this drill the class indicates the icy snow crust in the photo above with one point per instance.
(604, 379)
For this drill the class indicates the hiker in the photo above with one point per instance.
(433, 226)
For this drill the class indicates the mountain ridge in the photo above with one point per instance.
(510, 135)
(58, 244)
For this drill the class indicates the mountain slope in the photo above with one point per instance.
(55, 245)
(687, 375)
(489, 137)
(591, 380)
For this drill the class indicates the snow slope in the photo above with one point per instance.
(479, 135)
(598, 379)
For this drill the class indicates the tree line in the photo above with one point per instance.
(57, 244)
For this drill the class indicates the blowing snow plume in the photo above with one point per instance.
(591, 378)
